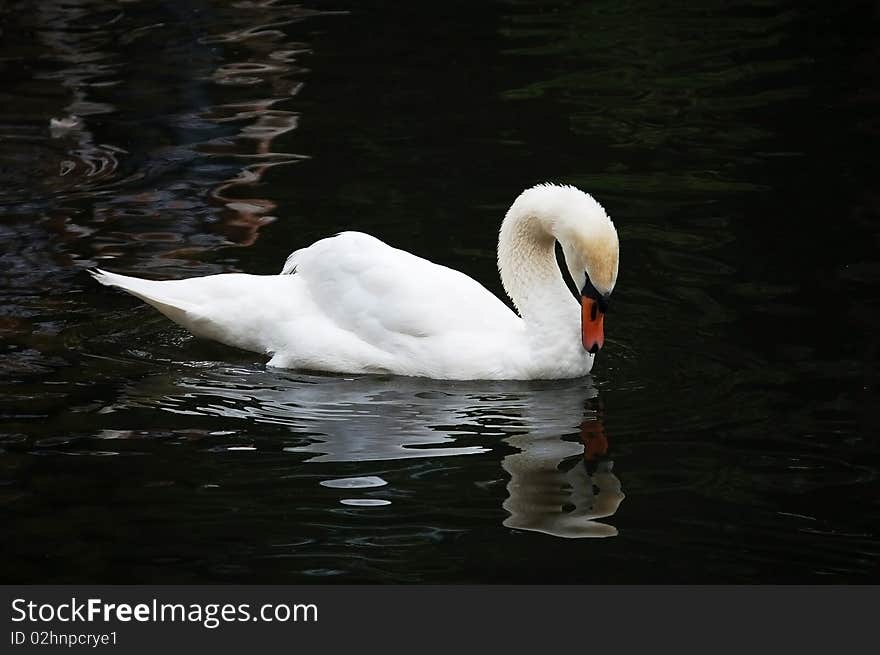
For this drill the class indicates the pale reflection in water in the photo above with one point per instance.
(560, 479)
(557, 500)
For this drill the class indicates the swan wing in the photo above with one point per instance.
(379, 292)
(349, 303)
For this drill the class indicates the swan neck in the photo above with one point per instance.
(527, 264)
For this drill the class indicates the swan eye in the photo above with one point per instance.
(589, 291)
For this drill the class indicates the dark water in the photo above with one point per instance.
(729, 432)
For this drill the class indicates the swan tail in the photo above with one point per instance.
(152, 292)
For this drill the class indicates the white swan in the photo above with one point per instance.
(353, 304)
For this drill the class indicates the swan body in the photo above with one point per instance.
(353, 304)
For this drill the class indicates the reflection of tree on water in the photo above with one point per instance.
(156, 154)
(243, 216)
(558, 484)
(265, 62)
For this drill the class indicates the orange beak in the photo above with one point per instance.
(592, 330)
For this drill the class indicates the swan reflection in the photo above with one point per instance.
(560, 478)
(547, 496)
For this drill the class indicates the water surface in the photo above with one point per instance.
(728, 432)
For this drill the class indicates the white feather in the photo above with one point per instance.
(351, 303)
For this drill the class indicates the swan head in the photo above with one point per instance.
(592, 252)
(563, 213)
